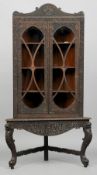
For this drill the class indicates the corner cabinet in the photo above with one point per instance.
(48, 68)
(48, 56)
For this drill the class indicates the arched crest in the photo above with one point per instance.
(48, 10)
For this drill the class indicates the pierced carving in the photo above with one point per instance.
(11, 145)
(86, 141)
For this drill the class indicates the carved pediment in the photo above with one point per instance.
(48, 10)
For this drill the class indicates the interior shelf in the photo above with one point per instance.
(32, 35)
(33, 43)
(62, 91)
(63, 100)
(32, 68)
(63, 43)
(63, 34)
(33, 91)
(33, 100)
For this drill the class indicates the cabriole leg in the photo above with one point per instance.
(11, 145)
(86, 141)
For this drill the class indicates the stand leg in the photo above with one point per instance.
(11, 145)
(45, 148)
(86, 141)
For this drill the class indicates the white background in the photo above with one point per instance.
(58, 163)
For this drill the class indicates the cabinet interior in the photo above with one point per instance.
(63, 67)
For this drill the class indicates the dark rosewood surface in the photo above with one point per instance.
(48, 69)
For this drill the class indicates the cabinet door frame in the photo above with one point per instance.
(19, 26)
(75, 110)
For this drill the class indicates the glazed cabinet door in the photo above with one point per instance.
(65, 69)
(31, 56)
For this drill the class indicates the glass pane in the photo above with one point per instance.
(32, 68)
(63, 81)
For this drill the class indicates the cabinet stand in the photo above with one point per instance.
(48, 128)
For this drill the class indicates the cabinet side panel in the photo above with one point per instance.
(15, 68)
(81, 65)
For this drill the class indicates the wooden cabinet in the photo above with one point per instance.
(48, 55)
(48, 58)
